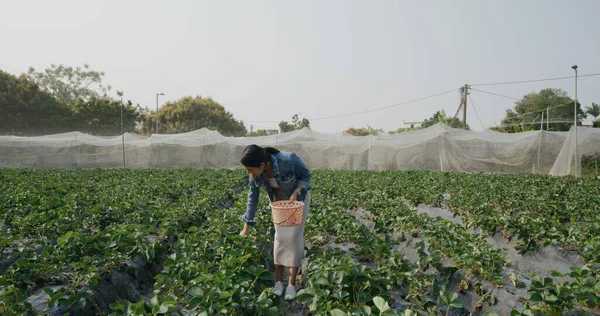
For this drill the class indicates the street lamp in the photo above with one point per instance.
(575, 120)
(157, 111)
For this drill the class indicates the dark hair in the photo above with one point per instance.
(254, 155)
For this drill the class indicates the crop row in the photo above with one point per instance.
(536, 209)
(74, 228)
(66, 231)
(383, 197)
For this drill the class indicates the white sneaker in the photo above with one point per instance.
(290, 293)
(278, 289)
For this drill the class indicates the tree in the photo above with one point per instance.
(403, 130)
(28, 111)
(102, 116)
(593, 110)
(441, 117)
(365, 131)
(260, 132)
(528, 111)
(68, 84)
(296, 124)
(192, 113)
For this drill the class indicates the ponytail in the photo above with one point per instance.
(255, 155)
(271, 150)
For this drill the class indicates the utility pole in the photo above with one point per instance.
(465, 91)
(575, 125)
(156, 131)
(463, 105)
(120, 93)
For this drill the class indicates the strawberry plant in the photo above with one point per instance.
(63, 232)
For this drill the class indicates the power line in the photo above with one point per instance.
(523, 100)
(10, 68)
(534, 80)
(542, 110)
(498, 95)
(383, 108)
(538, 122)
(263, 122)
(473, 105)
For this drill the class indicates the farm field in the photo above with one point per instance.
(91, 242)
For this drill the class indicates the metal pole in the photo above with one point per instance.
(123, 136)
(465, 93)
(156, 132)
(547, 119)
(575, 122)
(542, 125)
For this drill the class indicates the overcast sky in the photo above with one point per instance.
(266, 60)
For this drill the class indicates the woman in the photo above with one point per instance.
(285, 177)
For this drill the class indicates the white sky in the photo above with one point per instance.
(266, 60)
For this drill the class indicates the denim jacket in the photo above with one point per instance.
(289, 172)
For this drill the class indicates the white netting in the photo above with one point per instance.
(438, 148)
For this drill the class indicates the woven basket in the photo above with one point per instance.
(287, 213)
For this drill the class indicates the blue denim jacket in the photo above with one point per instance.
(290, 174)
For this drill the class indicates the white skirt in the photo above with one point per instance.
(288, 250)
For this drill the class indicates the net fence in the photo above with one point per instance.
(437, 148)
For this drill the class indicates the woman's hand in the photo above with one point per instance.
(294, 196)
(245, 230)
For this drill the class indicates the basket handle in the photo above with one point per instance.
(276, 223)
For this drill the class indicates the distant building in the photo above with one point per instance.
(412, 124)
(272, 131)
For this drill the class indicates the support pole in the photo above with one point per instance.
(577, 162)
(542, 125)
(464, 97)
(123, 136)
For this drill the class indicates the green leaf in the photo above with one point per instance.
(528, 313)
(139, 308)
(153, 301)
(306, 295)
(263, 299)
(365, 310)
(453, 296)
(410, 312)
(120, 305)
(196, 291)
(364, 297)
(536, 297)
(267, 275)
(168, 262)
(194, 303)
(163, 308)
(27, 280)
(338, 312)
(550, 298)
(381, 304)
(256, 271)
(321, 281)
